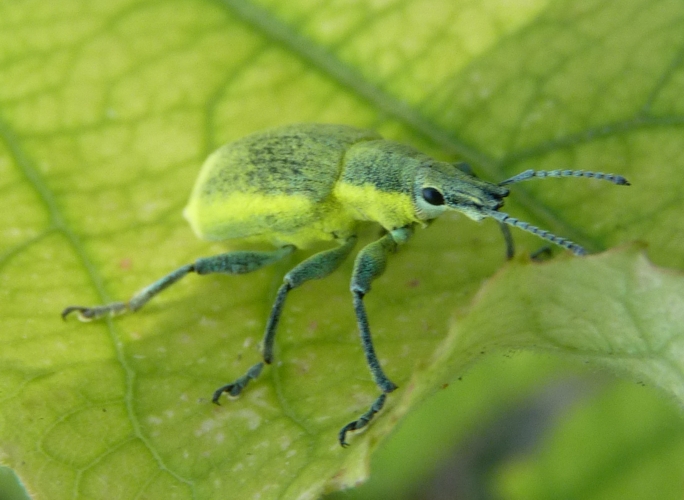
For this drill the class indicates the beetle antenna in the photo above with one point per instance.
(529, 174)
(504, 218)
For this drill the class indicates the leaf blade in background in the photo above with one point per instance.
(106, 113)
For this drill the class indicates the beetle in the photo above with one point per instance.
(297, 185)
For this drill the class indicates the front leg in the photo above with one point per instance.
(370, 264)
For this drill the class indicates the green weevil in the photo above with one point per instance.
(296, 185)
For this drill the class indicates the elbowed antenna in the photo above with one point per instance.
(529, 174)
(504, 218)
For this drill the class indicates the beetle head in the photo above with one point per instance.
(440, 187)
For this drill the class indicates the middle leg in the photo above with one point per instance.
(317, 266)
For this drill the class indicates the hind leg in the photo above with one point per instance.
(227, 263)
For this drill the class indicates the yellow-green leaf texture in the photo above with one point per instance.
(107, 110)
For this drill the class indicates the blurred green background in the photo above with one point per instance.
(108, 109)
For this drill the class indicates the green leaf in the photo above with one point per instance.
(106, 112)
(600, 452)
(10, 486)
(594, 452)
(532, 426)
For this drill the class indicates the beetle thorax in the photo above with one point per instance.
(377, 180)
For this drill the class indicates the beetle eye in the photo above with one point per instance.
(433, 197)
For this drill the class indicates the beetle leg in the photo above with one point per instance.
(317, 266)
(370, 264)
(229, 263)
(508, 239)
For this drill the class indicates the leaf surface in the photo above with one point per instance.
(107, 111)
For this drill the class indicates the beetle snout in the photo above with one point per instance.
(496, 196)
(494, 204)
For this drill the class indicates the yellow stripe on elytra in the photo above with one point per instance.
(295, 219)
(277, 219)
(224, 217)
